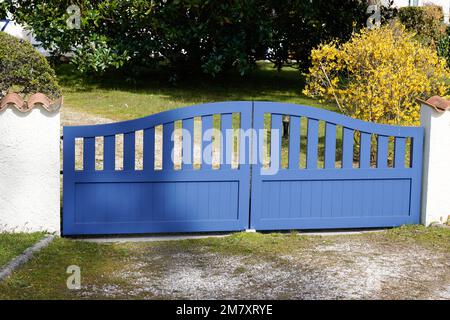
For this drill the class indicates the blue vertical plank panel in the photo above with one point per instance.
(316, 198)
(274, 202)
(294, 142)
(264, 203)
(214, 201)
(307, 197)
(351, 197)
(109, 153)
(285, 207)
(227, 147)
(168, 146)
(207, 126)
(399, 155)
(357, 206)
(129, 143)
(149, 149)
(89, 154)
(337, 199)
(68, 179)
(330, 146)
(366, 198)
(312, 143)
(326, 199)
(188, 144)
(259, 203)
(347, 148)
(68, 153)
(295, 191)
(416, 168)
(382, 151)
(225, 200)
(245, 143)
(364, 150)
(152, 201)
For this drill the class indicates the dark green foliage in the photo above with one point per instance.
(426, 21)
(24, 70)
(214, 36)
(443, 48)
(191, 36)
(301, 25)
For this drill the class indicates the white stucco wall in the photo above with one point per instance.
(436, 171)
(29, 170)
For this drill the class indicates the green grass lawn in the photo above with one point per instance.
(119, 99)
(104, 266)
(13, 244)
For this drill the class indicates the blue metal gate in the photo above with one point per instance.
(326, 184)
(350, 192)
(155, 200)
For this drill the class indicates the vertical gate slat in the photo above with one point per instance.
(364, 150)
(312, 141)
(347, 147)
(244, 146)
(382, 152)
(129, 151)
(89, 154)
(227, 147)
(109, 153)
(400, 147)
(188, 143)
(416, 151)
(149, 149)
(167, 145)
(275, 139)
(294, 142)
(207, 124)
(69, 153)
(416, 165)
(330, 146)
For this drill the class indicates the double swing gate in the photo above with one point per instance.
(240, 165)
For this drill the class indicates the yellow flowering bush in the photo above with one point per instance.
(377, 75)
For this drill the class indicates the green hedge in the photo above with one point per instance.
(24, 70)
(209, 36)
(427, 21)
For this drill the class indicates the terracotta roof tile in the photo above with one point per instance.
(35, 100)
(438, 103)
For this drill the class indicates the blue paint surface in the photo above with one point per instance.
(334, 197)
(131, 201)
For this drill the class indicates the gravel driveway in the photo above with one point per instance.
(337, 267)
(403, 263)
